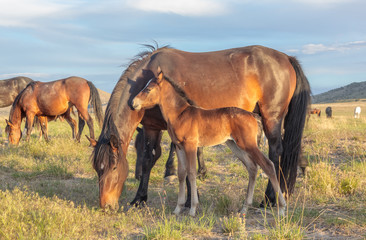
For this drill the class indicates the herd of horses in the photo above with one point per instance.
(201, 99)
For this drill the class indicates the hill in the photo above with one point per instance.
(352, 92)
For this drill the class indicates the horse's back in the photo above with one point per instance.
(238, 77)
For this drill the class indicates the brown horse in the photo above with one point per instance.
(190, 127)
(10, 88)
(315, 111)
(52, 99)
(253, 78)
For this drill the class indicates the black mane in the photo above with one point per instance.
(109, 128)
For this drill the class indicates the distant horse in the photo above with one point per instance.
(315, 111)
(52, 99)
(328, 112)
(357, 112)
(190, 127)
(254, 78)
(10, 88)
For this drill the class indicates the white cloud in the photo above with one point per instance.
(17, 13)
(180, 7)
(318, 48)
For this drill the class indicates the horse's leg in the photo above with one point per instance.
(269, 169)
(252, 170)
(169, 166)
(182, 173)
(273, 132)
(29, 123)
(152, 152)
(202, 170)
(191, 161)
(43, 121)
(81, 128)
(70, 121)
(139, 146)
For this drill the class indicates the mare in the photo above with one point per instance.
(253, 78)
(50, 100)
(357, 112)
(328, 112)
(190, 127)
(10, 88)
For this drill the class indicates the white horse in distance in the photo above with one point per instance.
(357, 112)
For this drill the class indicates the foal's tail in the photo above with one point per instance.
(96, 103)
(294, 126)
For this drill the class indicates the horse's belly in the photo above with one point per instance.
(53, 108)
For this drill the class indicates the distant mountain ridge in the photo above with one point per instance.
(353, 92)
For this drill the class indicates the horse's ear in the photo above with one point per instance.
(114, 142)
(92, 141)
(9, 123)
(160, 75)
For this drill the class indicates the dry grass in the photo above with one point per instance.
(49, 191)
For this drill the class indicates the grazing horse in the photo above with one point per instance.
(357, 112)
(10, 88)
(315, 111)
(328, 112)
(52, 99)
(190, 127)
(253, 78)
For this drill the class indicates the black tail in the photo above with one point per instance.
(294, 126)
(96, 103)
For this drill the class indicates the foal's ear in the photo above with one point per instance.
(92, 141)
(160, 75)
(114, 142)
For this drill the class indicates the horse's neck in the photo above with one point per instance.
(171, 104)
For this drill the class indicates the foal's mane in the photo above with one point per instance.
(109, 127)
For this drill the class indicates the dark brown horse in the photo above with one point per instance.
(253, 78)
(10, 88)
(52, 99)
(190, 127)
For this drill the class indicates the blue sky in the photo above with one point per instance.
(48, 39)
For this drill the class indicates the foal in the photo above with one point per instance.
(190, 127)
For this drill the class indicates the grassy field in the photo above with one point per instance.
(49, 191)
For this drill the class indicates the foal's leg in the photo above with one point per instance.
(191, 159)
(139, 146)
(252, 170)
(182, 173)
(269, 169)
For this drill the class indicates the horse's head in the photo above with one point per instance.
(112, 173)
(149, 96)
(14, 132)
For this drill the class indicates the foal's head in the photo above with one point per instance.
(149, 95)
(13, 132)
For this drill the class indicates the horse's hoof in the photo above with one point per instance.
(177, 210)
